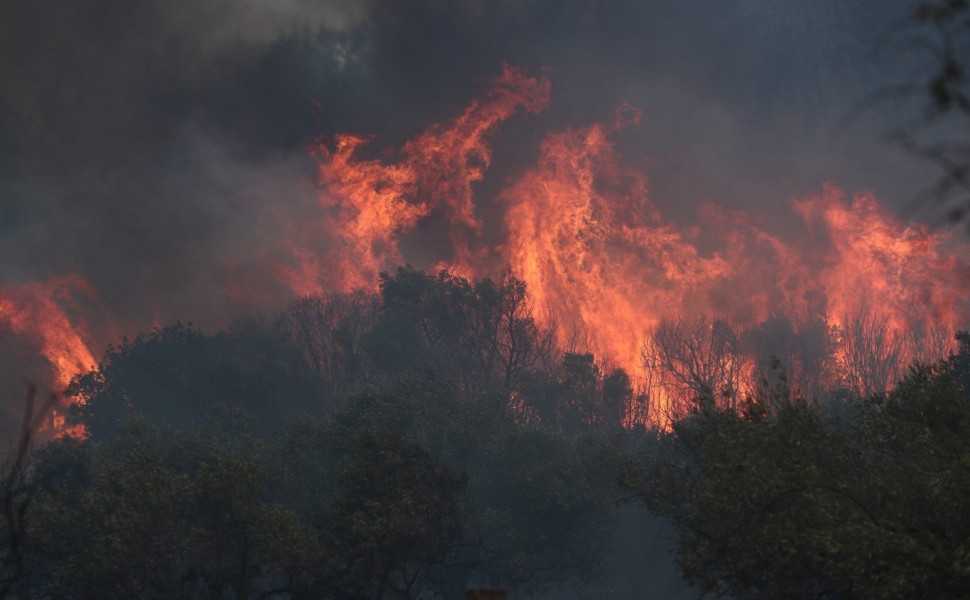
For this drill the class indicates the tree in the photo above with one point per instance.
(500, 336)
(802, 352)
(158, 513)
(537, 502)
(696, 358)
(16, 496)
(873, 351)
(481, 334)
(395, 515)
(330, 331)
(176, 374)
(779, 500)
(574, 396)
(118, 531)
(940, 31)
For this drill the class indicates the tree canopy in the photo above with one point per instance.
(786, 499)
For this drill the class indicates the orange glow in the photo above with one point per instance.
(598, 258)
(369, 203)
(35, 312)
(606, 269)
(906, 273)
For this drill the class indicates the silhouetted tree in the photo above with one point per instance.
(177, 373)
(16, 497)
(801, 352)
(330, 331)
(483, 334)
(873, 351)
(155, 512)
(574, 396)
(537, 500)
(696, 358)
(778, 500)
(395, 515)
(937, 34)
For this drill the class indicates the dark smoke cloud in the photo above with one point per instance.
(159, 147)
(134, 137)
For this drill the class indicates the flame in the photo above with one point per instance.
(606, 269)
(904, 272)
(594, 252)
(370, 204)
(603, 266)
(34, 311)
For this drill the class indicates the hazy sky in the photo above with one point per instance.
(152, 146)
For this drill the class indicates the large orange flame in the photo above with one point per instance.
(907, 273)
(35, 312)
(370, 203)
(602, 264)
(606, 268)
(600, 259)
(45, 315)
(595, 253)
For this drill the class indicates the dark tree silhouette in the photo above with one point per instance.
(938, 31)
(17, 495)
(781, 500)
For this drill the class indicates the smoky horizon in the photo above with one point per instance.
(630, 163)
(444, 299)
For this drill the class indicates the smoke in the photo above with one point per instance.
(217, 27)
(158, 150)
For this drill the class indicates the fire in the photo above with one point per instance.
(595, 253)
(603, 266)
(599, 257)
(906, 273)
(610, 273)
(35, 312)
(370, 204)
(895, 289)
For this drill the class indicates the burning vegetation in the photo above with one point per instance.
(845, 301)
(407, 432)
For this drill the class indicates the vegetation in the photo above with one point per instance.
(433, 438)
(786, 498)
(941, 51)
(351, 447)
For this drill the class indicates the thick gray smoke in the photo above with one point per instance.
(158, 148)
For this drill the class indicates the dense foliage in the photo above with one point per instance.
(351, 447)
(791, 499)
(406, 492)
(432, 438)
